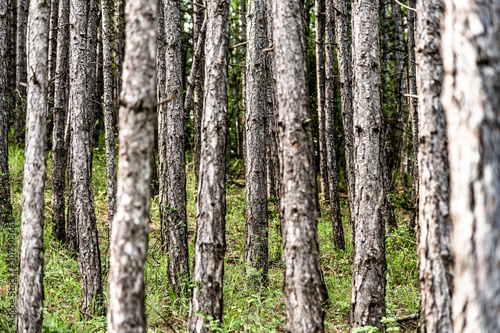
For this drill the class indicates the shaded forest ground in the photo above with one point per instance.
(247, 309)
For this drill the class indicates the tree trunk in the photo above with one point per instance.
(88, 254)
(30, 295)
(173, 177)
(210, 244)
(243, 13)
(109, 123)
(72, 232)
(53, 31)
(93, 99)
(21, 70)
(435, 262)
(302, 276)
(471, 60)
(129, 242)
(369, 265)
(198, 18)
(119, 49)
(256, 247)
(11, 59)
(330, 108)
(59, 146)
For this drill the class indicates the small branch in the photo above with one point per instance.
(410, 95)
(51, 81)
(406, 239)
(238, 45)
(404, 318)
(166, 100)
(268, 50)
(406, 6)
(198, 4)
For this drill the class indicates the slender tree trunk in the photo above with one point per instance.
(119, 49)
(21, 70)
(471, 60)
(330, 108)
(11, 59)
(369, 265)
(243, 13)
(88, 254)
(173, 203)
(198, 18)
(109, 124)
(435, 262)
(129, 242)
(53, 31)
(5, 205)
(72, 232)
(302, 277)
(30, 295)
(92, 45)
(237, 119)
(210, 244)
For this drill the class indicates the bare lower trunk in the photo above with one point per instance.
(21, 70)
(210, 244)
(30, 295)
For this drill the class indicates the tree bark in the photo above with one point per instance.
(471, 60)
(129, 242)
(53, 31)
(93, 99)
(81, 137)
(210, 244)
(198, 18)
(119, 49)
(21, 70)
(30, 294)
(369, 264)
(59, 146)
(302, 276)
(243, 13)
(435, 262)
(330, 108)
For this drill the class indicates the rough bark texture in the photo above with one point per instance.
(435, 262)
(93, 100)
(243, 13)
(53, 31)
(369, 265)
(330, 109)
(119, 48)
(471, 60)
(81, 140)
(210, 244)
(302, 276)
(21, 70)
(173, 177)
(129, 241)
(256, 247)
(198, 18)
(30, 294)
(109, 124)
(59, 146)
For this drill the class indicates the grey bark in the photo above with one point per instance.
(471, 60)
(330, 109)
(59, 145)
(81, 139)
(302, 277)
(243, 13)
(30, 294)
(54, 15)
(198, 18)
(369, 265)
(173, 176)
(93, 99)
(435, 262)
(129, 241)
(210, 244)
(109, 123)
(21, 70)
(119, 49)
(256, 246)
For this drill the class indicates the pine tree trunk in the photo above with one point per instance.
(30, 294)
(53, 31)
(59, 146)
(173, 176)
(210, 244)
(330, 109)
(109, 123)
(243, 13)
(11, 59)
(21, 70)
(92, 45)
(71, 232)
(369, 264)
(119, 49)
(471, 60)
(256, 247)
(302, 277)
(88, 254)
(198, 18)
(129, 242)
(435, 262)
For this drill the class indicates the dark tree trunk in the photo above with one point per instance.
(21, 70)
(30, 294)
(11, 58)
(129, 241)
(198, 18)
(53, 31)
(210, 243)
(119, 49)
(71, 231)
(93, 99)
(243, 13)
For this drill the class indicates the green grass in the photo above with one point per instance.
(247, 308)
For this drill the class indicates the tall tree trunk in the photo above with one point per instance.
(198, 18)
(129, 242)
(59, 146)
(471, 60)
(369, 265)
(30, 295)
(53, 31)
(92, 44)
(302, 277)
(243, 13)
(5, 205)
(237, 119)
(330, 108)
(173, 203)
(256, 247)
(71, 229)
(210, 244)
(11, 59)
(21, 70)
(435, 262)
(109, 123)
(319, 23)
(88, 254)
(119, 49)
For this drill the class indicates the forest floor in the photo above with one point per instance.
(247, 308)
